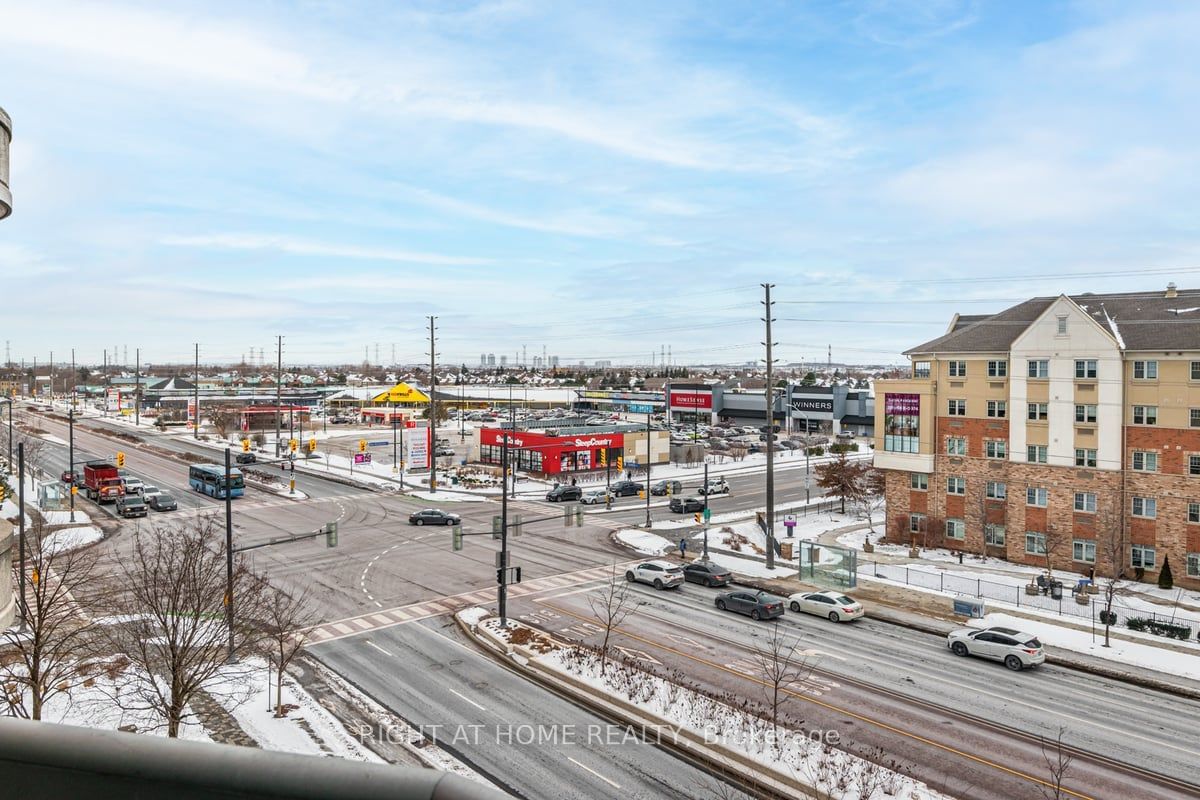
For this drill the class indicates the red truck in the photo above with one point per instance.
(102, 482)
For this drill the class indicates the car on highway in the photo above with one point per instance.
(834, 606)
(161, 501)
(626, 488)
(595, 497)
(131, 505)
(69, 477)
(659, 574)
(715, 486)
(1015, 648)
(666, 487)
(708, 573)
(134, 486)
(245, 458)
(684, 505)
(433, 516)
(756, 605)
(564, 492)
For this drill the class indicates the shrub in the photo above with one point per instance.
(848, 447)
(1165, 580)
(816, 451)
(1135, 624)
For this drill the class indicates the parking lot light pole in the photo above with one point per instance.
(807, 477)
(9, 463)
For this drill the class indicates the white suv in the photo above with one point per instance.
(715, 486)
(660, 574)
(1015, 648)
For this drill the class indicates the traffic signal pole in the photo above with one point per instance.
(229, 550)
(704, 557)
(502, 567)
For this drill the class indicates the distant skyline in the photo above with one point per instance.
(603, 179)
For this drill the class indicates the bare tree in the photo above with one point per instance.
(285, 619)
(783, 666)
(1054, 541)
(1058, 765)
(871, 499)
(611, 607)
(1114, 557)
(222, 419)
(60, 634)
(173, 621)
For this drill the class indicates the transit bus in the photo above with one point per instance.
(209, 479)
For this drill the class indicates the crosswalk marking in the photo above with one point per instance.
(340, 629)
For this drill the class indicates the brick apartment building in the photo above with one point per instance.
(1063, 427)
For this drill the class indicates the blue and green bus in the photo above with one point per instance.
(209, 479)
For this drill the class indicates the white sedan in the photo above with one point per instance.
(835, 606)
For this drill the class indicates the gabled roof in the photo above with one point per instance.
(1137, 320)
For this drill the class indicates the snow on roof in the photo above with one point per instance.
(1112, 326)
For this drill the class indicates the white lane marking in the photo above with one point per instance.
(380, 649)
(589, 769)
(378, 604)
(469, 700)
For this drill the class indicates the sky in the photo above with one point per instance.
(601, 180)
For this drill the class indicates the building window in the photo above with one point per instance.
(993, 535)
(916, 523)
(1085, 502)
(918, 481)
(999, 369)
(1145, 415)
(1035, 543)
(1037, 496)
(1038, 368)
(1193, 512)
(1145, 462)
(958, 369)
(1145, 507)
(901, 423)
(996, 449)
(1193, 465)
(1036, 453)
(1141, 555)
(1193, 565)
(1085, 413)
(1061, 329)
(955, 529)
(1039, 411)
(956, 446)
(1085, 368)
(1194, 416)
(997, 408)
(920, 369)
(1145, 370)
(1084, 457)
(956, 485)
(956, 408)
(996, 490)
(1196, 370)
(1084, 550)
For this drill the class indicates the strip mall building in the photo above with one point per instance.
(562, 452)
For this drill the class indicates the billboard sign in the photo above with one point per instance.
(812, 405)
(902, 404)
(690, 400)
(418, 449)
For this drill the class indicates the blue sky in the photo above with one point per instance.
(603, 179)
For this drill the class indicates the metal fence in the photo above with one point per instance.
(1064, 605)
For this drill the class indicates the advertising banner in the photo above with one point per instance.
(418, 449)
(902, 404)
(813, 405)
(688, 400)
(112, 399)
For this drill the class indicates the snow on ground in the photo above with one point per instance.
(71, 538)
(64, 517)
(445, 496)
(645, 542)
(10, 511)
(792, 753)
(1135, 654)
(472, 615)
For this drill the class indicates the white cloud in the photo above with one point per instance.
(307, 247)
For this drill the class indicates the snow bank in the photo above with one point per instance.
(71, 538)
(64, 517)
(645, 542)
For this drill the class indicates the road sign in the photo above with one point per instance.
(362, 458)
(378, 444)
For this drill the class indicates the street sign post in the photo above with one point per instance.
(362, 458)
(789, 522)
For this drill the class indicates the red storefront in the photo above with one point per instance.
(530, 451)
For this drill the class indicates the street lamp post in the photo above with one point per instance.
(648, 460)
(71, 455)
(21, 514)
(9, 463)
(807, 476)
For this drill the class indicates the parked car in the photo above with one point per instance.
(626, 488)
(684, 505)
(433, 516)
(444, 451)
(715, 486)
(836, 606)
(69, 477)
(708, 573)
(666, 487)
(250, 458)
(161, 501)
(131, 505)
(757, 605)
(564, 492)
(595, 497)
(1015, 648)
(660, 574)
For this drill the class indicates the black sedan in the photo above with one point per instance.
(625, 488)
(684, 505)
(708, 573)
(162, 502)
(433, 516)
(757, 605)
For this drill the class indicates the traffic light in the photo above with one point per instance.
(516, 526)
(245, 445)
(312, 445)
(496, 526)
(698, 516)
(578, 517)
(604, 457)
(500, 576)
(620, 463)
(120, 459)
(458, 537)
(566, 516)
(331, 534)
(293, 444)
(362, 445)
(1, 494)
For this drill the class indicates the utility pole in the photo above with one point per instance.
(71, 455)
(278, 390)
(704, 557)
(21, 514)
(229, 550)
(196, 396)
(502, 567)
(137, 387)
(432, 406)
(648, 460)
(769, 396)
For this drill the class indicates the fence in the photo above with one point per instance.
(1064, 605)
